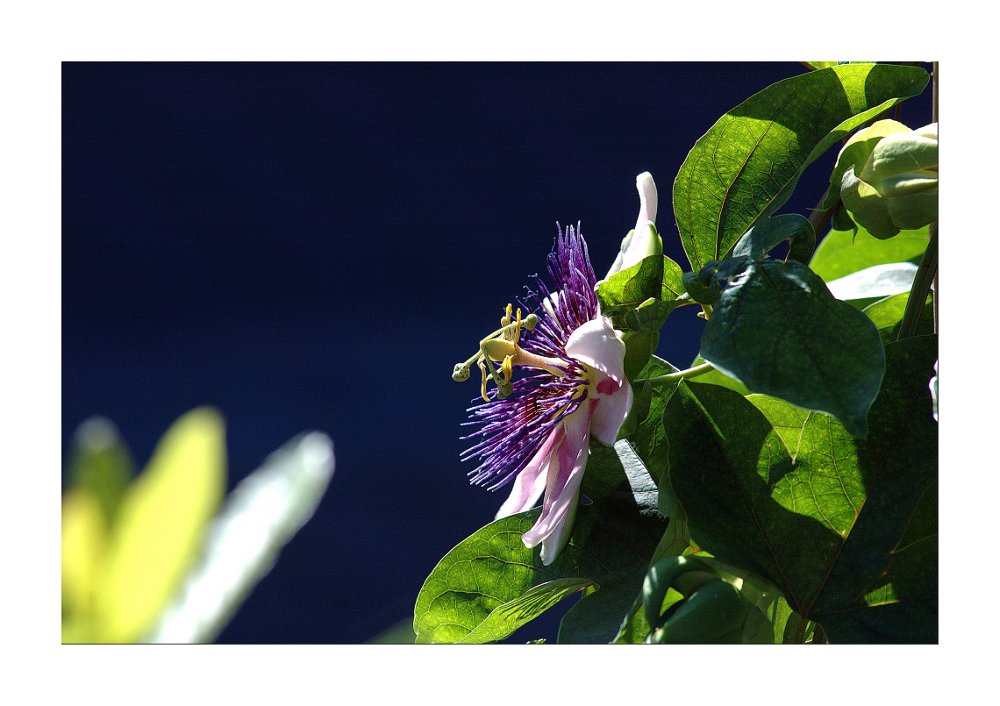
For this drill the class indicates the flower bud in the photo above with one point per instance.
(887, 177)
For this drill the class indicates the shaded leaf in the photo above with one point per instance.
(774, 329)
(601, 616)
(848, 531)
(768, 234)
(749, 161)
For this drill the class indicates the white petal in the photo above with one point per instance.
(637, 240)
(569, 461)
(610, 413)
(530, 482)
(597, 344)
(647, 199)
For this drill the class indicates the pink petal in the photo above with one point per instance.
(563, 485)
(610, 413)
(530, 482)
(597, 344)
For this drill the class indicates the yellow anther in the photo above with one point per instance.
(507, 368)
(482, 369)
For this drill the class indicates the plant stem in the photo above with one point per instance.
(933, 227)
(926, 272)
(818, 218)
(679, 375)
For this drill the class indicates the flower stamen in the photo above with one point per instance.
(501, 346)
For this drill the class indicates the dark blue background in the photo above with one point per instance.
(313, 246)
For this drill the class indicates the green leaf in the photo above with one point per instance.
(601, 616)
(887, 314)
(639, 347)
(628, 288)
(778, 330)
(841, 252)
(101, 464)
(515, 613)
(716, 377)
(161, 527)
(769, 233)
(847, 531)
(641, 297)
(747, 164)
(463, 593)
(786, 419)
(816, 65)
(648, 440)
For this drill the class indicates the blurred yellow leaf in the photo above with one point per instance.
(161, 526)
(84, 538)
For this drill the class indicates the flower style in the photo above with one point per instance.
(536, 431)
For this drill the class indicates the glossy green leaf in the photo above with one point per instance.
(648, 440)
(519, 611)
(787, 419)
(717, 377)
(641, 297)
(842, 252)
(747, 164)
(639, 347)
(778, 330)
(816, 65)
(463, 593)
(887, 314)
(601, 616)
(771, 232)
(847, 531)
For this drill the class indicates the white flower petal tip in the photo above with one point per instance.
(647, 199)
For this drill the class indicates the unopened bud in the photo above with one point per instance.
(888, 177)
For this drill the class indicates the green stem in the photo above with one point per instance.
(933, 226)
(679, 375)
(926, 272)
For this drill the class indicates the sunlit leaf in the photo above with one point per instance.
(877, 281)
(749, 161)
(841, 252)
(519, 611)
(161, 526)
(84, 541)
